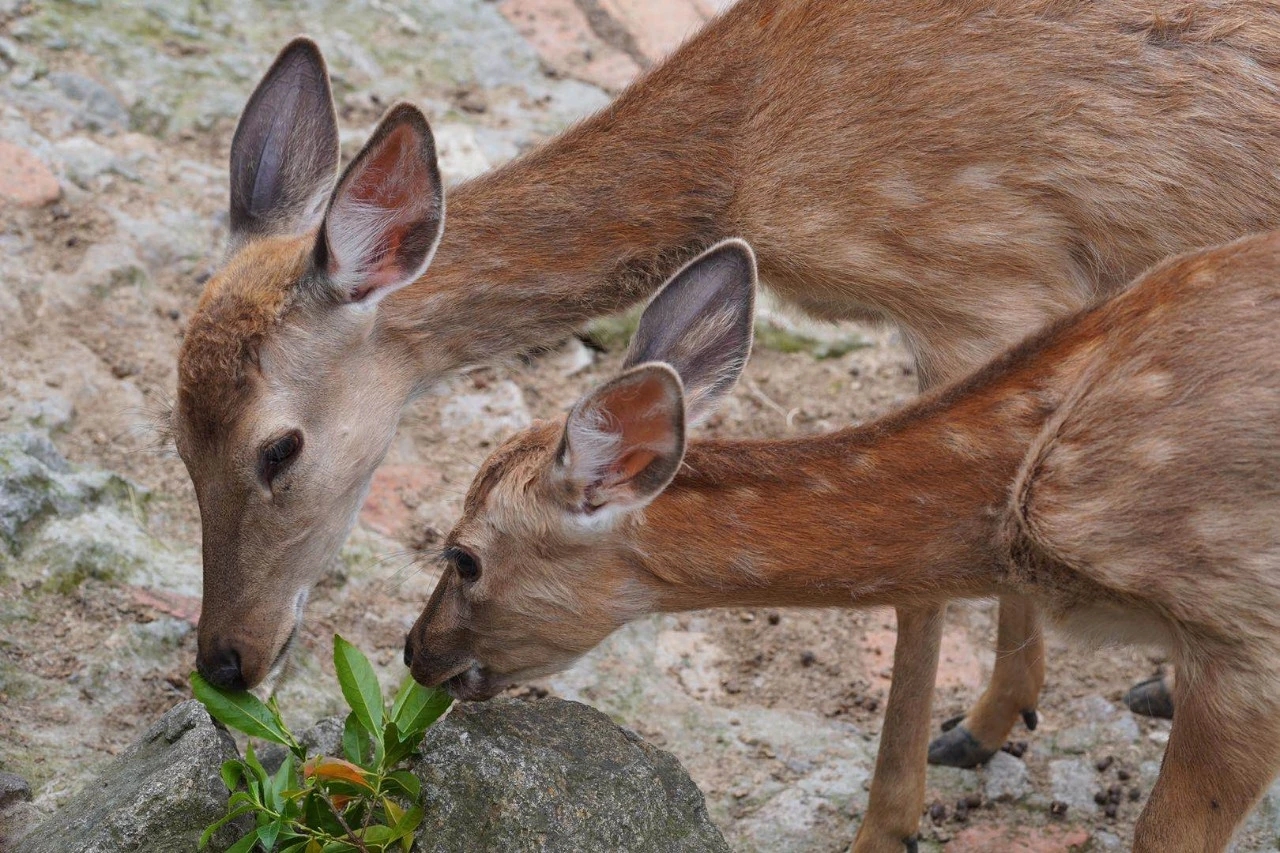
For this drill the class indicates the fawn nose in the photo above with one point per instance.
(408, 650)
(221, 668)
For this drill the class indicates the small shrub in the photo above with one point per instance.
(363, 802)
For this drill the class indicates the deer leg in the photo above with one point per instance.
(1153, 697)
(897, 786)
(1223, 751)
(1012, 694)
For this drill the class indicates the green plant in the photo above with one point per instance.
(361, 803)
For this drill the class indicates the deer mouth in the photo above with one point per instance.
(474, 684)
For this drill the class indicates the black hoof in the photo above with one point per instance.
(912, 844)
(1030, 719)
(1150, 698)
(956, 747)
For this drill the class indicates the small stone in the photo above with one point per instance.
(1103, 763)
(1007, 778)
(962, 811)
(774, 618)
(747, 616)
(1123, 775)
(808, 658)
(937, 812)
(1111, 810)
(24, 179)
(1100, 798)
(1135, 794)
(13, 789)
(973, 801)
(1058, 809)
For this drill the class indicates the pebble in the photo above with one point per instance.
(1007, 778)
(24, 179)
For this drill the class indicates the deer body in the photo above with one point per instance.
(966, 170)
(1121, 469)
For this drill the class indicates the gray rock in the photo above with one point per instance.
(36, 483)
(13, 789)
(97, 107)
(157, 796)
(324, 738)
(1074, 782)
(85, 160)
(553, 775)
(1007, 778)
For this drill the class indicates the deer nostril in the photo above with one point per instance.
(222, 669)
(408, 650)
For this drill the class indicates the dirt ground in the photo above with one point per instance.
(774, 712)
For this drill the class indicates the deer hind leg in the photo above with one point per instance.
(1223, 751)
(1012, 694)
(897, 786)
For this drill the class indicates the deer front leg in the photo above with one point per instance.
(1012, 694)
(897, 786)
(1224, 749)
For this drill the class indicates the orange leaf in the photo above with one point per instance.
(335, 768)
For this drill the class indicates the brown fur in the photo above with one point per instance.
(1037, 476)
(967, 170)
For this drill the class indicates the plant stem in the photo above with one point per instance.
(324, 795)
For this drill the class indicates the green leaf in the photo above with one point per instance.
(221, 822)
(232, 772)
(244, 845)
(355, 742)
(241, 711)
(339, 847)
(267, 835)
(406, 782)
(409, 822)
(359, 685)
(394, 749)
(417, 707)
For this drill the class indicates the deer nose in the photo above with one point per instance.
(221, 668)
(408, 650)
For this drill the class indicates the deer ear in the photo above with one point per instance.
(285, 151)
(387, 213)
(700, 323)
(624, 441)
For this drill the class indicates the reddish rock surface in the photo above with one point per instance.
(24, 179)
(564, 39)
(396, 491)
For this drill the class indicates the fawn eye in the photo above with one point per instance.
(465, 563)
(276, 456)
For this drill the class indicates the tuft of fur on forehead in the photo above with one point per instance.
(528, 448)
(239, 307)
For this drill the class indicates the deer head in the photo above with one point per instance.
(277, 419)
(542, 566)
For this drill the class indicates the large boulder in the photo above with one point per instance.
(158, 796)
(551, 775)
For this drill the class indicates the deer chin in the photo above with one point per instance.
(475, 684)
(280, 664)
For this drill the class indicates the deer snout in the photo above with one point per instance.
(220, 666)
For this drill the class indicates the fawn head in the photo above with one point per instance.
(284, 405)
(541, 567)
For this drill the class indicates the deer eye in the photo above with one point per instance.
(465, 564)
(276, 456)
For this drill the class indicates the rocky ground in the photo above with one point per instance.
(115, 122)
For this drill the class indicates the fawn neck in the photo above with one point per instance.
(910, 509)
(582, 227)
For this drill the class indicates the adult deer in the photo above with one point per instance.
(966, 170)
(1120, 468)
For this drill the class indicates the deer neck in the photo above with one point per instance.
(910, 509)
(584, 226)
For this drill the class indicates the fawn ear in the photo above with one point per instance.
(387, 213)
(700, 323)
(624, 441)
(285, 151)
